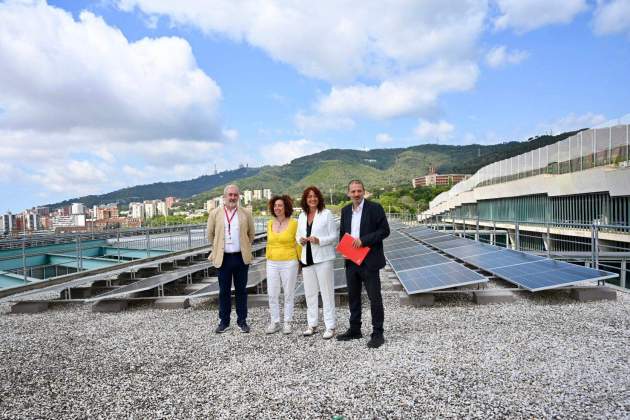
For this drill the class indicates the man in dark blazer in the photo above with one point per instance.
(366, 222)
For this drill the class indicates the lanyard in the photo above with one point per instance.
(229, 220)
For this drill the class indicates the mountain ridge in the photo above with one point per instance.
(331, 169)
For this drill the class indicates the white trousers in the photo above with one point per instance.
(281, 273)
(320, 278)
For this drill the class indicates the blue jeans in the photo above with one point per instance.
(233, 267)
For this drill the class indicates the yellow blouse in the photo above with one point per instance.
(282, 246)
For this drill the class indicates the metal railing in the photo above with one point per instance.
(26, 257)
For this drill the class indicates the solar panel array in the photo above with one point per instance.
(529, 271)
(420, 269)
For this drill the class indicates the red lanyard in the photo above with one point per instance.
(229, 220)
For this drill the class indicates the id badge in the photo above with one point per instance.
(228, 240)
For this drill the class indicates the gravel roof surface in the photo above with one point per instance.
(542, 356)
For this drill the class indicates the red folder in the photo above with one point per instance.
(345, 248)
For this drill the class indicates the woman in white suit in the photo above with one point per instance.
(317, 234)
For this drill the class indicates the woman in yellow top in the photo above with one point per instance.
(282, 262)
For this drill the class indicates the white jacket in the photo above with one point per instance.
(325, 230)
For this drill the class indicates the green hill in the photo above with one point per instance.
(160, 190)
(379, 168)
(331, 170)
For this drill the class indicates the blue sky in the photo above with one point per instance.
(96, 96)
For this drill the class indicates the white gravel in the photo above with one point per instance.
(544, 356)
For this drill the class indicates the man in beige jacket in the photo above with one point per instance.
(231, 233)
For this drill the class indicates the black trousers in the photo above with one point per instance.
(233, 267)
(355, 277)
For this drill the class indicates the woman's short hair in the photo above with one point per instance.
(288, 205)
(320, 199)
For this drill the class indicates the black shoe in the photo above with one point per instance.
(244, 327)
(376, 341)
(221, 328)
(349, 335)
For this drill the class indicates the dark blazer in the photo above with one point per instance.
(374, 228)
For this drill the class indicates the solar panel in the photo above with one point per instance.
(402, 239)
(416, 261)
(428, 233)
(152, 282)
(456, 243)
(438, 239)
(501, 258)
(405, 245)
(436, 277)
(547, 274)
(529, 271)
(407, 252)
(415, 229)
(472, 249)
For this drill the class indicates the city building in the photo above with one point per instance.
(170, 201)
(435, 179)
(247, 197)
(77, 208)
(162, 209)
(76, 220)
(150, 209)
(31, 220)
(8, 223)
(258, 194)
(136, 210)
(42, 211)
(267, 194)
(104, 212)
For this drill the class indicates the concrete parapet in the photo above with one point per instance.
(30, 307)
(489, 296)
(172, 303)
(341, 299)
(397, 286)
(112, 305)
(76, 293)
(255, 301)
(590, 294)
(417, 300)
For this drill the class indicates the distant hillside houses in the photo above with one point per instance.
(247, 196)
(433, 179)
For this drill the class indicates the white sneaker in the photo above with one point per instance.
(273, 327)
(329, 333)
(309, 331)
(286, 329)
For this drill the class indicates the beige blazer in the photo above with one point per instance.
(216, 234)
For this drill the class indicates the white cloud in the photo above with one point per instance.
(58, 74)
(440, 130)
(230, 134)
(572, 122)
(5, 171)
(79, 100)
(524, 16)
(77, 177)
(415, 92)
(612, 17)
(332, 40)
(384, 138)
(500, 56)
(381, 58)
(282, 152)
(317, 122)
